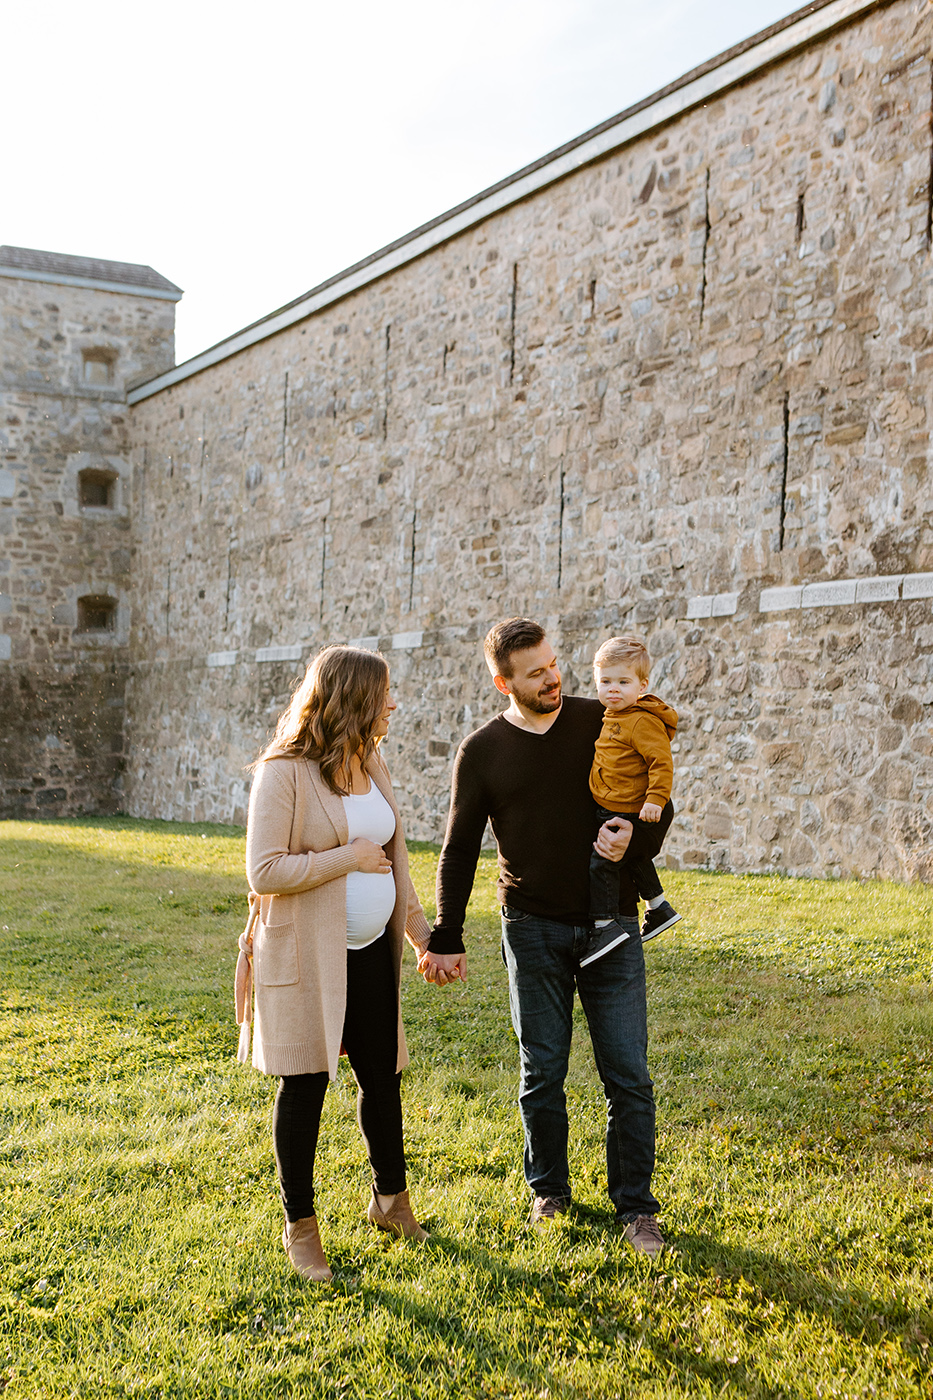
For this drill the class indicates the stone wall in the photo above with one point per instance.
(62, 688)
(670, 393)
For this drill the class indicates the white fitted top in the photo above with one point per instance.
(370, 898)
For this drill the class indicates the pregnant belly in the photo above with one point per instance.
(370, 901)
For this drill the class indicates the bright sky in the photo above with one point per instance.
(249, 151)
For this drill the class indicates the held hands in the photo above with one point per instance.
(612, 841)
(371, 859)
(441, 968)
(651, 812)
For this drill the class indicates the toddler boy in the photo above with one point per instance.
(631, 777)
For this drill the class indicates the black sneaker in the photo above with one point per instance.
(546, 1209)
(602, 941)
(657, 920)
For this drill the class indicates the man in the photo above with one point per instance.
(527, 771)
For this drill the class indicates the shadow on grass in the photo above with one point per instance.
(853, 1312)
(849, 1309)
(536, 1373)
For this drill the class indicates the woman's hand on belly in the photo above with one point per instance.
(372, 859)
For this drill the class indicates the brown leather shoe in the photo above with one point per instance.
(643, 1235)
(399, 1219)
(546, 1209)
(302, 1244)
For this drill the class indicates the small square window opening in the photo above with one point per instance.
(98, 366)
(96, 488)
(96, 613)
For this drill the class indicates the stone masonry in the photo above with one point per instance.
(69, 344)
(682, 389)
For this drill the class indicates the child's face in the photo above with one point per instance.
(618, 686)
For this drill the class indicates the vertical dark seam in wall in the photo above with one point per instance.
(706, 229)
(929, 229)
(201, 463)
(512, 322)
(323, 564)
(168, 599)
(385, 387)
(284, 418)
(411, 574)
(560, 528)
(785, 431)
(229, 577)
(801, 217)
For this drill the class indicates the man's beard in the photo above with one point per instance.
(537, 703)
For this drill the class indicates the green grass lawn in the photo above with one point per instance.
(140, 1228)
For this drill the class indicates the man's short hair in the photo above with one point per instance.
(515, 634)
(621, 650)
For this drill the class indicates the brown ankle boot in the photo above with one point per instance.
(399, 1219)
(302, 1244)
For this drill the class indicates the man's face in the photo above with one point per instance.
(535, 679)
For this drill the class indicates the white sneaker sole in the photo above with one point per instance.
(622, 938)
(646, 937)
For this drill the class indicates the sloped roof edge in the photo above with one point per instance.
(37, 265)
(715, 76)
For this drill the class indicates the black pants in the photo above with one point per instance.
(370, 1038)
(646, 842)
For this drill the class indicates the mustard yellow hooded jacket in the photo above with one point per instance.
(632, 763)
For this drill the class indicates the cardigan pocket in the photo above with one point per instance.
(275, 956)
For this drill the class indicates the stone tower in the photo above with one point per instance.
(74, 332)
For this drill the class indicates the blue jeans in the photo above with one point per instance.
(541, 957)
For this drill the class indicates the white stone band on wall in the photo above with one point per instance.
(712, 605)
(844, 591)
(838, 593)
(401, 641)
(289, 653)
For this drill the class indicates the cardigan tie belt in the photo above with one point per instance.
(243, 980)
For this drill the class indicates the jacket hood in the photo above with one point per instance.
(654, 705)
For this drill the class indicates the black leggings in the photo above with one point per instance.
(370, 1038)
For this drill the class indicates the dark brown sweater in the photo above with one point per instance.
(534, 789)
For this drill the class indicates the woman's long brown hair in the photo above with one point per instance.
(333, 712)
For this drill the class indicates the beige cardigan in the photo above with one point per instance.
(297, 860)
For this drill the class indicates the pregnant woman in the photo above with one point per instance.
(325, 853)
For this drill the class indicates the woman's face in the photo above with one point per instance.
(381, 727)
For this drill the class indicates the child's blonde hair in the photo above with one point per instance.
(630, 649)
